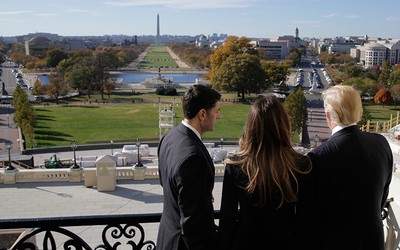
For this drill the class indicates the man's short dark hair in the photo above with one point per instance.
(199, 97)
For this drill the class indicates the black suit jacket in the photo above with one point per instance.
(267, 227)
(352, 172)
(187, 176)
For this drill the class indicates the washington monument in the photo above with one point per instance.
(158, 25)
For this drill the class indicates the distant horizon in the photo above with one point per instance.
(151, 35)
(248, 18)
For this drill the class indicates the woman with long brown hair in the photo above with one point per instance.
(268, 180)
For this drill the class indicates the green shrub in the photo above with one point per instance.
(168, 91)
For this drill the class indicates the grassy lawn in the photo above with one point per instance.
(58, 125)
(157, 57)
(381, 113)
(124, 118)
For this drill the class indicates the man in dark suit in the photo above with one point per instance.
(352, 172)
(187, 175)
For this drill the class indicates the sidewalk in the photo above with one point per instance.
(8, 131)
(40, 200)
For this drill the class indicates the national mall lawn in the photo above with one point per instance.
(124, 118)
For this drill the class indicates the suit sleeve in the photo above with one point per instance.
(388, 179)
(195, 204)
(229, 211)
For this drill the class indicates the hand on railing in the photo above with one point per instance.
(386, 207)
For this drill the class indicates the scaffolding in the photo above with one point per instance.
(166, 118)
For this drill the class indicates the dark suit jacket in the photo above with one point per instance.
(266, 227)
(352, 172)
(187, 176)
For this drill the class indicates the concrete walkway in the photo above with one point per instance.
(8, 131)
(40, 200)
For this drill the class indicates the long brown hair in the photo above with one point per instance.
(266, 153)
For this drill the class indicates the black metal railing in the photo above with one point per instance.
(118, 227)
(118, 230)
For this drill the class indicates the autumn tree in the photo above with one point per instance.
(383, 96)
(38, 88)
(395, 93)
(235, 66)
(192, 55)
(109, 87)
(296, 107)
(56, 87)
(24, 115)
(276, 72)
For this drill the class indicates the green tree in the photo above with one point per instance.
(241, 73)
(78, 71)
(366, 86)
(352, 70)
(54, 56)
(366, 116)
(394, 77)
(103, 58)
(295, 55)
(372, 72)
(80, 76)
(383, 78)
(296, 107)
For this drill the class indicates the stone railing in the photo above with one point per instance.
(81, 174)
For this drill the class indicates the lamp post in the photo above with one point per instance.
(138, 163)
(9, 147)
(316, 139)
(74, 146)
(112, 149)
(222, 142)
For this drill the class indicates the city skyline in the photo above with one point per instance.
(250, 18)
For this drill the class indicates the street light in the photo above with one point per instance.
(138, 163)
(74, 146)
(9, 147)
(316, 139)
(112, 149)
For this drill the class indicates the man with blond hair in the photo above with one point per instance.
(352, 172)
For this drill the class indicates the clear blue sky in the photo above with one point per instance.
(250, 18)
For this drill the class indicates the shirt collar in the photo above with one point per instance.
(191, 128)
(340, 127)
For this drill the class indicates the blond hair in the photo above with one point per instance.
(343, 103)
(266, 154)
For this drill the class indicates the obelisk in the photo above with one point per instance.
(158, 30)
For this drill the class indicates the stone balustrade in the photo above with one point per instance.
(78, 175)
